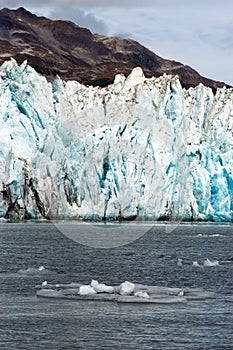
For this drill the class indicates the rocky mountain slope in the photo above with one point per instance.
(60, 47)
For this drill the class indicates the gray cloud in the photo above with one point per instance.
(67, 10)
(102, 2)
(221, 39)
(82, 3)
(83, 19)
(124, 35)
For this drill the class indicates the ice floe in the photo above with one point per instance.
(41, 270)
(126, 292)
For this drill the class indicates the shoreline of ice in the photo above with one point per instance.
(116, 223)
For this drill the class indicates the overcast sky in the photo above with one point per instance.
(195, 32)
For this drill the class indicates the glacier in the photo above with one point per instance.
(139, 148)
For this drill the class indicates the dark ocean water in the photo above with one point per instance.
(28, 322)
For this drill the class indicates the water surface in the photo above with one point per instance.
(28, 322)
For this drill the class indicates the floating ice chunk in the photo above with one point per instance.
(141, 294)
(101, 287)
(86, 290)
(94, 284)
(196, 264)
(107, 289)
(210, 236)
(180, 262)
(44, 283)
(208, 262)
(41, 268)
(126, 288)
(32, 271)
(28, 271)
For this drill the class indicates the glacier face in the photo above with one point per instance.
(144, 148)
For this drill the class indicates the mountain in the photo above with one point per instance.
(139, 148)
(60, 47)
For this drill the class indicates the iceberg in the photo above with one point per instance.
(139, 148)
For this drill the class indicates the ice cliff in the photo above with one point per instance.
(144, 148)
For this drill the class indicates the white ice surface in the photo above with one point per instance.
(139, 147)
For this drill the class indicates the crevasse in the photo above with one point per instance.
(139, 148)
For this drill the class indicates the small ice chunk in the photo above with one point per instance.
(181, 293)
(142, 294)
(94, 284)
(180, 262)
(41, 268)
(101, 287)
(126, 288)
(208, 262)
(44, 283)
(196, 264)
(86, 290)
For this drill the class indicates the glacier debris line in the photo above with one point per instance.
(139, 148)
